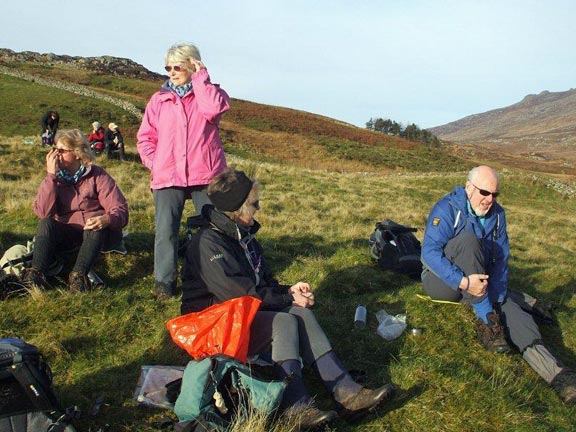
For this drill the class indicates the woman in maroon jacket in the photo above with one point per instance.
(79, 206)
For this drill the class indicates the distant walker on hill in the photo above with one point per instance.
(49, 124)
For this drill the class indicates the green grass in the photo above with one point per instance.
(315, 228)
(316, 223)
(24, 103)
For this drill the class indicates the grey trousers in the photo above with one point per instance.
(169, 206)
(291, 334)
(465, 251)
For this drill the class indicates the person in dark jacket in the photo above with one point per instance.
(114, 141)
(49, 124)
(465, 256)
(224, 261)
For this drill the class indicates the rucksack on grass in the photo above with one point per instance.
(27, 399)
(396, 248)
(216, 389)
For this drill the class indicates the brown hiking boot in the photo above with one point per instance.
(32, 276)
(352, 407)
(308, 417)
(79, 282)
(565, 385)
(492, 334)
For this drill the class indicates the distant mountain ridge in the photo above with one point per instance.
(539, 126)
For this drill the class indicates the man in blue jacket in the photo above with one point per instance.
(465, 256)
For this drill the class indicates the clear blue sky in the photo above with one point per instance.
(427, 62)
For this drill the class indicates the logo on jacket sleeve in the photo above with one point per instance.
(436, 221)
(217, 256)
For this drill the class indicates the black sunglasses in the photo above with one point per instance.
(176, 68)
(61, 150)
(484, 192)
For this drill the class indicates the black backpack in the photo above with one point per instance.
(27, 399)
(396, 248)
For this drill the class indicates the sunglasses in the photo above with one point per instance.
(256, 204)
(61, 150)
(176, 68)
(486, 193)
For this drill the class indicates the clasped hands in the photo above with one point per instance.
(475, 284)
(302, 294)
(97, 223)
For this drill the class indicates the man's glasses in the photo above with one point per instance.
(484, 192)
(176, 68)
(256, 204)
(61, 150)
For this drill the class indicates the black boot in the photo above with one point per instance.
(492, 334)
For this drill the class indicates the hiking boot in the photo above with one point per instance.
(565, 385)
(165, 291)
(308, 417)
(353, 406)
(32, 276)
(79, 282)
(492, 334)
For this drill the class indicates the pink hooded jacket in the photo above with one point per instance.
(178, 139)
(95, 194)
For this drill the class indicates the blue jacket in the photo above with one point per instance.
(446, 220)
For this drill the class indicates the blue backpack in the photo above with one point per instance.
(218, 388)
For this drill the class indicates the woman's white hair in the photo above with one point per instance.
(181, 53)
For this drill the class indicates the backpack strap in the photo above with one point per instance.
(32, 388)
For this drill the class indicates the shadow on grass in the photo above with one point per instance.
(116, 386)
(9, 239)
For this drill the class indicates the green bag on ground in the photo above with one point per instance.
(220, 381)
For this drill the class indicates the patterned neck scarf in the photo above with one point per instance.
(180, 90)
(71, 178)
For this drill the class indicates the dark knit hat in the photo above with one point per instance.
(232, 199)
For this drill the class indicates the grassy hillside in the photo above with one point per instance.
(261, 132)
(315, 228)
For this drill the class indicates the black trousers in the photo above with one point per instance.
(53, 238)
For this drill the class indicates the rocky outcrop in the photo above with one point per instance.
(104, 64)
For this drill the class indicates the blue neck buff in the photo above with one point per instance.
(65, 176)
(180, 90)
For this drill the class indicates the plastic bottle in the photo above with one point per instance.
(360, 317)
(96, 281)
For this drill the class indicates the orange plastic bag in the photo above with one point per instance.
(223, 328)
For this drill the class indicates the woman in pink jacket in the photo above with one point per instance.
(79, 206)
(179, 142)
